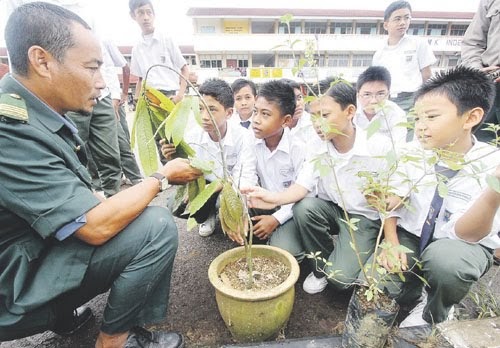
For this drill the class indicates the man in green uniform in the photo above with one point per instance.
(60, 245)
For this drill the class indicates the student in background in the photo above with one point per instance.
(244, 92)
(300, 126)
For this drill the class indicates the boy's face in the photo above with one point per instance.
(398, 22)
(299, 107)
(145, 17)
(244, 101)
(372, 96)
(219, 113)
(329, 119)
(267, 119)
(438, 124)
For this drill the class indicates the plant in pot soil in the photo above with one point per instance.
(254, 284)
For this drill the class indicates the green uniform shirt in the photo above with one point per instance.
(43, 187)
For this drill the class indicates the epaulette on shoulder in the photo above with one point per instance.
(13, 106)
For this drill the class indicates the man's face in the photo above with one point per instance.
(398, 22)
(372, 96)
(76, 82)
(145, 17)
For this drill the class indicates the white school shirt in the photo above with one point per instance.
(278, 170)
(235, 118)
(238, 148)
(463, 190)
(304, 129)
(360, 158)
(157, 48)
(112, 59)
(404, 61)
(390, 115)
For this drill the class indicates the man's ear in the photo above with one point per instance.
(385, 26)
(39, 60)
(473, 117)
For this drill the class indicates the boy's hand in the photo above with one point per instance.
(393, 260)
(259, 198)
(167, 149)
(264, 226)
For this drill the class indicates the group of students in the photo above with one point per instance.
(310, 177)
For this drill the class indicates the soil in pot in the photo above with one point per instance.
(368, 323)
(267, 273)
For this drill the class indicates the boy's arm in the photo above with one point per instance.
(392, 260)
(264, 199)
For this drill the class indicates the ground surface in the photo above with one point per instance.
(193, 310)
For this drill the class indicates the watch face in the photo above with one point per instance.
(164, 184)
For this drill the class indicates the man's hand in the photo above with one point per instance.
(264, 226)
(176, 98)
(492, 69)
(167, 149)
(179, 172)
(260, 198)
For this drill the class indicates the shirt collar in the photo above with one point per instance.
(283, 145)
(227, 140)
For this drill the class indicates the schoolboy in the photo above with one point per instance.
(279, 157)
(318, 219)
(237, 143)
(408, 58)
(455, 244)
(373, 88)
(156, 48)
(301, 126)
(244, 92)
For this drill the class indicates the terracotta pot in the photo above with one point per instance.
(253, 316)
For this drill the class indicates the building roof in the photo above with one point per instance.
(319, 13)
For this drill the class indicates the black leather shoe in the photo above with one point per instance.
(68, 325)
(143, 338)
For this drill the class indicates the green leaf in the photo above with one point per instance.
(205, 166)
(177, 121)
(203, 197)
(442, 189)
(191, 223)
(493, 182)
(148, 153)
(184, 150)
(369, 295)
(373, 128)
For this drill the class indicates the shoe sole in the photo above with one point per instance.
(76, 329)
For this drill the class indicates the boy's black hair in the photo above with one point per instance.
(465, 87)
(343, 93)
(280, 93)
(320, 88)
(219, 90)
(292, 83)
(374, 73)
(240, 83)
(394, 6)
(135, 4)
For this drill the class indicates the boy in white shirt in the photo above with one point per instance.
(342, 151)
(237, 144)
(279, 157)
(453, 236)
(301, 126)
(244, 92)
(374, 108)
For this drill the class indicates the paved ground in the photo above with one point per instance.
(193, 310)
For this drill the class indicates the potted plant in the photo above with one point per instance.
(252, 310)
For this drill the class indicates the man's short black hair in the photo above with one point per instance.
(135, 4)
(280, 93)
(219, 90)
(240, 83)
(374, 73)
(394, 6)
(467, 88)
(343, 93)
(39, 24)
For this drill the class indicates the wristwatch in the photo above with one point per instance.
(162, 181)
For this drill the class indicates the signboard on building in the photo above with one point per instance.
(236, 27)
(266, 73)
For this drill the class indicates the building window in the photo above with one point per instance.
(458, 29)
(288, 60)
(338, 60)
(360, 60)
(191, 60)
(210, 61)
(436, 29)
(263, 59)
(241, 60)
(341, 28)
(295, 28)
(453, 60)
(320, 60)
(416, 29)
(207, 29)
(366, 28)
(262, 27)
(315, 27)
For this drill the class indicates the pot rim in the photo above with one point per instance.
(261, 295)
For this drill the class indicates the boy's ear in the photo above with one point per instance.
(385, 26)
(287, 120)
(473, 117)
(229, 113)
(350, 111)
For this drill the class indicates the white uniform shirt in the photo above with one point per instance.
(390, 116)
(346, 166)
(278, 170)
(157, 49)
(404, 61)
(235, 118)
(304, 130)
(112, 59)
(238, 148)
(463, 189)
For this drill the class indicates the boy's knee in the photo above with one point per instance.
(302, 208)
